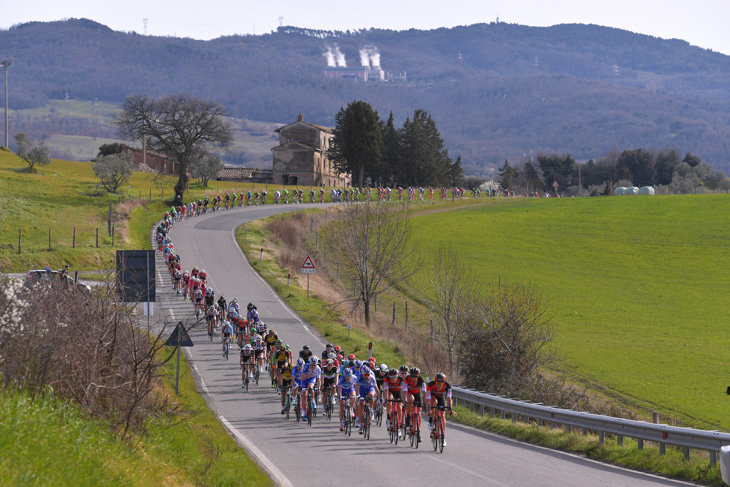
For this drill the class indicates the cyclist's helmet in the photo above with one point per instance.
(392, 373)
(383, 368)
(403, 369)
(440, 377)
(247, 346)
(337, 348)
(300, 362)
(329, 346)
(305, 347)
(209, 290)
(279, 341)
(202, 271)
(330, 362)
(415, 372)
(371, 360)
(365, 370)
(249, 306)
(313, 360)
(234, 314)
(351, 357)
(258, 338)
(222, 297)
(347, 373)
(286, 345)
(358, 364)
(331, 356)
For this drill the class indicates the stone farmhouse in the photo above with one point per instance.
(301, 157)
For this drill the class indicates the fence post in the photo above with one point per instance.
(112, 234)
(655, 419)
(150, 194)
(73, 244)
(311, 225)
(20, 240)
(97, 237)
(316, 239)
(393, 313)
(49, 238)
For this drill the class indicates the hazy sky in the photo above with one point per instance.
(704, 23)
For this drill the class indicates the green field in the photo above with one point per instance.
(638, 287)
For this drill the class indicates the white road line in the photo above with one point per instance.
(470, 472)
(195, 367)
(276, 474)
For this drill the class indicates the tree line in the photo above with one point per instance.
(377, 153)
(635, 167)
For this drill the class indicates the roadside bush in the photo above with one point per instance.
(86, 347)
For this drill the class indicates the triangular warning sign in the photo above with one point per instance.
(185, 340)
(308, 264)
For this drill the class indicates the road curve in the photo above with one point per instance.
(295, 454)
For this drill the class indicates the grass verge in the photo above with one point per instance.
(672, 464)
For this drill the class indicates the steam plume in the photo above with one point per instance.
(340, 58)
(369, 56)
(330, 57)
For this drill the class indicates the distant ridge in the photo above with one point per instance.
(497, 91)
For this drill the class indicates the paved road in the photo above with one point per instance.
(296, 454)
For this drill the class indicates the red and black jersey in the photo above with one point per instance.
(393, 383)
(414, 384)
(436, 390)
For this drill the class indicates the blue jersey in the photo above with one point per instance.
(310, 373)
(346, 384)
(228, 328)
(369, 382)
(296, 372)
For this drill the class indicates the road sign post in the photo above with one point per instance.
(308, 268)
(179, 338)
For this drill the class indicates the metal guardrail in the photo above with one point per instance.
(664, 434)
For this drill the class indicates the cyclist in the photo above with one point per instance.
(346, 390)
(260, 348)
(415, 384)
(328, 350)
(282, 357)
(210, 318)
(198, 297)
(329, 379)
(176, 279)
(438, 393)
(222, 305)
(367, 389)
(296, 373)
(203, 276)
(305, 353)
(310, 376)
(209, 297)
(285, 382)
(247, 357)
(227, 331)
(392, 387)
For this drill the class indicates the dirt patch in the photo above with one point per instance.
(120, 217)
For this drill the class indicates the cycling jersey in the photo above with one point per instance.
(348, 385)
(310, 373)
(227, 329)
(415, 384)
(329, 373)
(246, 354)
(438, 390)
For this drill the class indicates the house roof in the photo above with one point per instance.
(302, 145)
(237, 172)
(300, 119)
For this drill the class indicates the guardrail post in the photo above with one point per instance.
(713, 458)
(686, 453)
(514, 418)
(601, 437)
(640, 443)
(539, 422)
(568, 428)
(481, 409)
(662, 448)
(502, 414)
(620, 440)
(585, 431)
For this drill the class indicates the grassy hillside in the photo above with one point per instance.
(638, 287)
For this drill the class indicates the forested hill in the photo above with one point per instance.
(497, 91)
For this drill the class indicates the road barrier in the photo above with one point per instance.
(663, 434)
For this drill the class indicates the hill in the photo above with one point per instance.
(497, 91)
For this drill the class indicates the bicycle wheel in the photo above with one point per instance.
(297, 409)
(287, 405)
(309, 411)
(394, 425)
(247, 380)
(226, 349)
(412, 431)
(256, 374)
(417, 432)
(442, 436)
(434, 435)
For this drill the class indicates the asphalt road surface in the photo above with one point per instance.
(300, 455)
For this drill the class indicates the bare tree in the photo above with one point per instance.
(373, 243)
(448, 295)
(504, 345)
(30, 153)
(113, 170)
(180, 126)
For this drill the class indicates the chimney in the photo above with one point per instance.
(300, 118)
